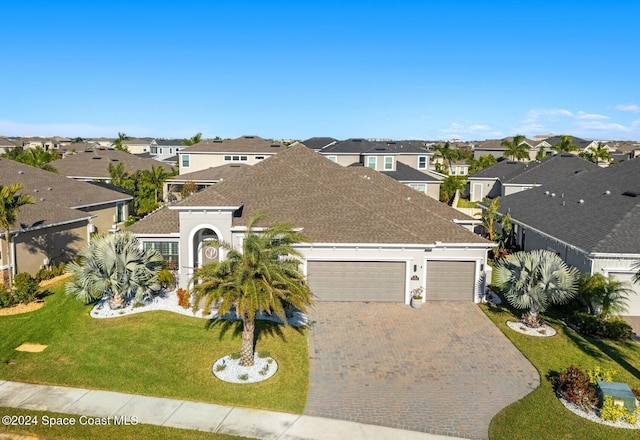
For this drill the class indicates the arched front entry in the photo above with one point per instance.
(205, 247)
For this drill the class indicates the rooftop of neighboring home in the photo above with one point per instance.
(405, 173)
(333, 204)
(94, 163)
(597, 210)
(243, 144)
(578, 142)
(496, 144)
(624, 146)
(169, 142)
(365, 146)
(536, 172)
(56, 197)
(318, 143)
(212, 174)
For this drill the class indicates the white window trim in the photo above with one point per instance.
(385, 163)
(375, 162)
(426, 162)
(333, 159)
(182, 161)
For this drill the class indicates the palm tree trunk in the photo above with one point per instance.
(7, 238)
(248, 330)
(117, 300)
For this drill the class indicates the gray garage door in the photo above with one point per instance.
(450, 280)
(357, 280)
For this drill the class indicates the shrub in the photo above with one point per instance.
(574, 385)
(6, 300)
(599, 373)
(614, 413)
(47, 273)
(614, 328)
(183, 298)
(167, 279)
(25, 288)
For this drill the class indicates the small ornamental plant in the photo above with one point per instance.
(417, 292)
(183, 298)
(614, 413)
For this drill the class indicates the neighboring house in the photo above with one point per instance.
(65, 212)
(318, 143)
(379, 155)
(371, 237)
(138, 145)
(7, 144)
(101, 142)
(457, 168)
(591, 219)
(202, 179)
(247, 150)
(497, 150)
(165, 149)
(426, 182)
(509, 177)
(94, 164)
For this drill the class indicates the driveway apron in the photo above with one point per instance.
(444, 368)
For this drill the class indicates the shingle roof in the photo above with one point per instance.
(161, 222)
(169, 142)
(318, 143)
(555, 140)
(495, 144)
(536, 172)
(243, 144)
(95, 164)
(332, 203)
(211, 174)
(364, 146)
(54, 195)
(405, 173)
(603, 222)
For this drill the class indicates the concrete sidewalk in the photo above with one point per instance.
(246, 422)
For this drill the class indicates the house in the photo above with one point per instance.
(214, 153)
(427, 182)
(164, 149)
(371, 237)
(94, 164)
(7, 144)
(508, 177)
(497, 150)
(60, 221)
(138, 145)
(591, 219)
(201, 179)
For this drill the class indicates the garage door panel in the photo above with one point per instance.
(450, 280)
(382, 281)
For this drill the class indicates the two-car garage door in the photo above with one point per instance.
(382, 281)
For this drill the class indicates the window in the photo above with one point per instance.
(388, 163)
(371, 162)
(422, 162)
(120, 212)
(243, 158)
(185, 160)
(333, 158)
(168, 249)
(154, 150)
(453, 171)
(230, 158)
(259, 157)
(418, 186)
(227, 158)
(160, 150)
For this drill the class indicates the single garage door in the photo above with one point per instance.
(634, 298)
(382, 281)
(450, 280)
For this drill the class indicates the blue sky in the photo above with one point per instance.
(377, 69)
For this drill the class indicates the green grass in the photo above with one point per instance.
(93, 432)
(540, 414)
(152, 353)
(464, 203)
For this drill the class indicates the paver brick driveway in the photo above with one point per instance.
(443, 368)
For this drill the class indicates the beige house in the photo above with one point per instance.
(64, 214)
(372, 238)
(247, 150)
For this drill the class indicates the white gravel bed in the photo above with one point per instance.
(547, 330)
(230, 370)
(594, 417)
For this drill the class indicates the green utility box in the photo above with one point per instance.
(620, 393)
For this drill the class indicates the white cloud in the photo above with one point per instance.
(590, 116)
(13, 128)
(628, 108)
(470, 132)
(601, 126)
(537, 114)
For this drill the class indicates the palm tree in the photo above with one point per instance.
(515, 148)
(192, 140)
(117, 173)
(597, 153)
(114, 266)
(449, 187)
(264, 277)
(10, 204)
(533, 280)
(118, 144)
(156, 176)
(446, 152)
(566, 145)
(604, 296)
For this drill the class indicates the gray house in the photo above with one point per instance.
(371, 237)
(591, 219)
(509, 177)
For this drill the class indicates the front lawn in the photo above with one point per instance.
(153, 353)
(541, 414)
